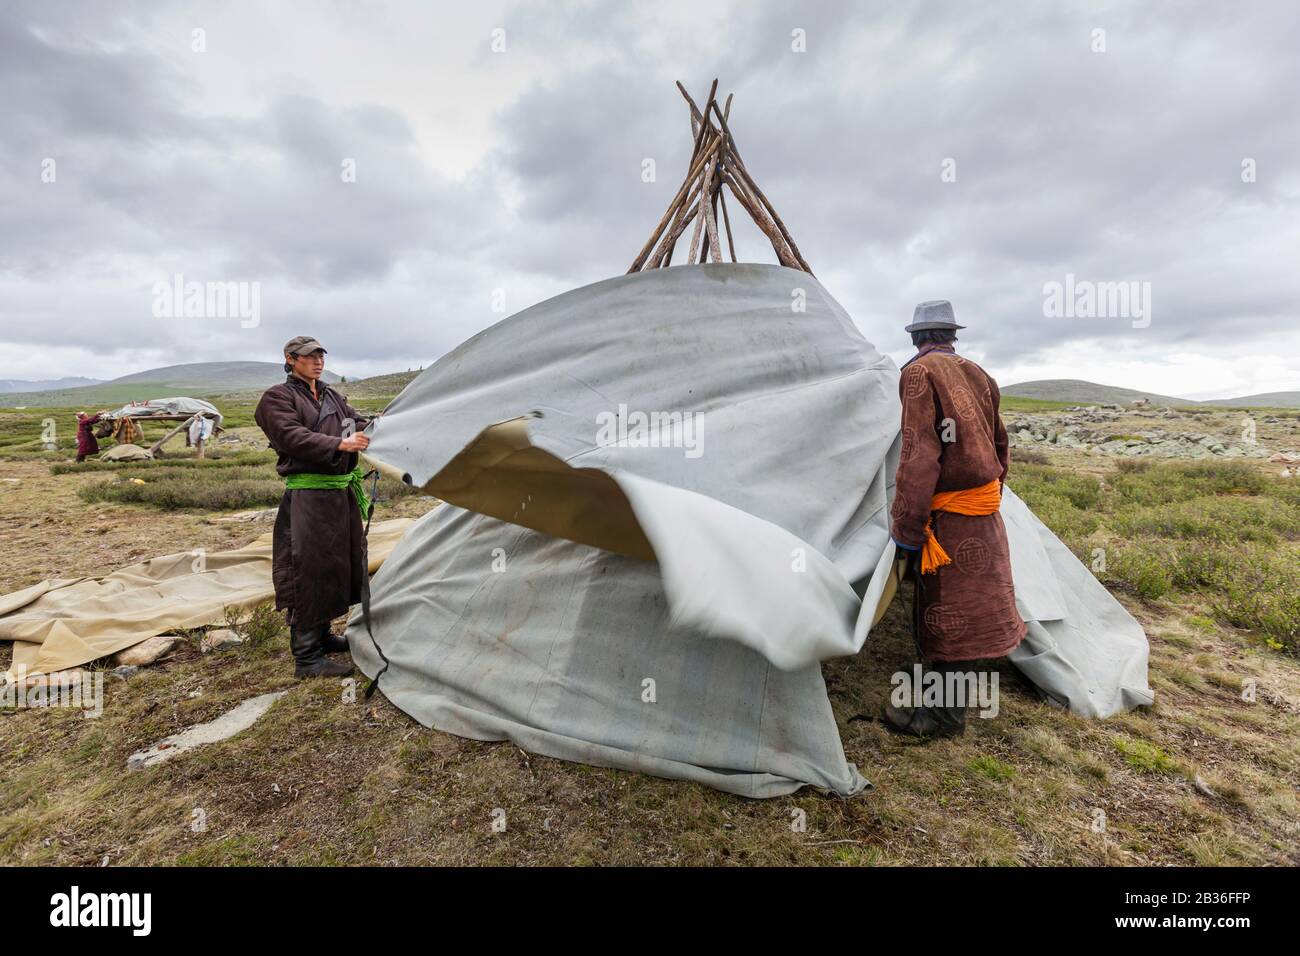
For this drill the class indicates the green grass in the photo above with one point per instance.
(209, 489)
(1168, 483)
(1144, 757)
(243, 481)
(991, 767)
(214, 459)
(1013, 403)
(1225, 534)
(1045, 482)
(1226, 520)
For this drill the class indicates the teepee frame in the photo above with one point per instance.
(715, 162)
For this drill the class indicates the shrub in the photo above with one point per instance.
(226, 489)
(1166, 483)
(1029, 456)
(258, 625)
(142, 468)
(1145, 572)
(1130, 465)
(1216, 518)
(1042, 481)
(1067, 522)
(1248, 586)
(174, 485)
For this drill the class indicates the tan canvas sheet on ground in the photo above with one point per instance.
(68, 622)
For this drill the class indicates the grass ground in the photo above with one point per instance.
(1209, 775)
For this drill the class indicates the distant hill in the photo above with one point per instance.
(378, 386)
(198, 378)
(1087, 393)
(1076, 391)
(1263, 400)
(44, 385)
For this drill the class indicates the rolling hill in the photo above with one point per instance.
(1263, 400)
(1087, 393)
(198, 378)
(21, 385)
(378, 386)
(1090, 393)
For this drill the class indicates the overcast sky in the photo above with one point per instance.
(520, 170)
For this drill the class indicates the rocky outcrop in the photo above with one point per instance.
(1098, 430)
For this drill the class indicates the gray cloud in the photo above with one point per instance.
(1110, 166)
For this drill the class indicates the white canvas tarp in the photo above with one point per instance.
(672, 497)
(170, 407)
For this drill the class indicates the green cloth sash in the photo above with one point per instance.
(354, 479)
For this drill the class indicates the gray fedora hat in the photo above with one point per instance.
(936, 314)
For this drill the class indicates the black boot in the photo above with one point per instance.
(332, 643)
(945, 720)
(309, 656)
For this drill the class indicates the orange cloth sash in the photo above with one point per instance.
(984, 500)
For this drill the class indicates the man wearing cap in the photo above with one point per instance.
(947, 494)
(318, 551)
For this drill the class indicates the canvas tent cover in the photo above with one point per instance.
(172, 407)
(664, 609)
(127, 451)
(67, 622)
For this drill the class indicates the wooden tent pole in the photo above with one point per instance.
(706, 206)
(749, 181)
(726, 221)
(765, 224)
(157, 446)
(715, 162)
(670, 240)
(657, 258)
(681, 194)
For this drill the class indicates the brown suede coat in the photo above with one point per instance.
(954, 439)
(318, 551)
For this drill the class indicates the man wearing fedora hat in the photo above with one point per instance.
(318, 550)
(945, 518)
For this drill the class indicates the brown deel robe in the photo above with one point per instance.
(86, 442)
(968, 607)
(318, 550)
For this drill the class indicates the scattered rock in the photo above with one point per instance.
(125, 671)
(238, 718)
(223, 637)
(147, 652)
(1074, 430)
